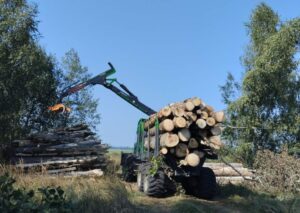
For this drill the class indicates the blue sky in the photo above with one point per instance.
(163, 50)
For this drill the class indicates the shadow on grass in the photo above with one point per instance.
(243, 198)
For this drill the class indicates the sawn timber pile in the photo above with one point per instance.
(187, 130)
(61, 150)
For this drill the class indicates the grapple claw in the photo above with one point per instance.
(59, 107)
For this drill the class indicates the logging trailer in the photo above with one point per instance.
(156, 174)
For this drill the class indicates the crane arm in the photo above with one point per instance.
(102, 79)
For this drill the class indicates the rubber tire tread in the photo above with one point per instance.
(160, 185)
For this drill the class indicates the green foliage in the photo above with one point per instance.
(30, 79)
(82, 103)
(278, 174)
(27, 82)
(14, 200)
(20, 200)
(53, 200)
(267, 111)
(156, 163)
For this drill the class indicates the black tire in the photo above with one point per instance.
(202, 161)
(128, 169)
(159, 185)
(203, 186)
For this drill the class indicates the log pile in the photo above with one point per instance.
(61, 150)
(186, 130)
(234, 174)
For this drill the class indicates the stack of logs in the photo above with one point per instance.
(186, 129)
(61, 150)
(233, 173)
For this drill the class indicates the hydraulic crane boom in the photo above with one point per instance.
(108, 83)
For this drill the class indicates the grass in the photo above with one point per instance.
(110, 194)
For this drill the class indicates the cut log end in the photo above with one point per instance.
(169, 140)
(164, 150)
(184, 134)
(193, 143)
(189, 106)
(210, 121)
(166, 125)
(179, 122)
(201, 123)
(192, 159)
(219, 116)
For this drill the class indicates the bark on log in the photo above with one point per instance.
(150, 144)
(62, 161)
(150, 122)
(221, 165)
(94, 172)
(199, 153)
(202, 133)
(228, 171)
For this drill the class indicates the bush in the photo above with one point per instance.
(21, 200)
(277, 173)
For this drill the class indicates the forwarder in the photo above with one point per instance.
(155, 173)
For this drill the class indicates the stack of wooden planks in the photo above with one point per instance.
(60, 150)
(186, 129)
